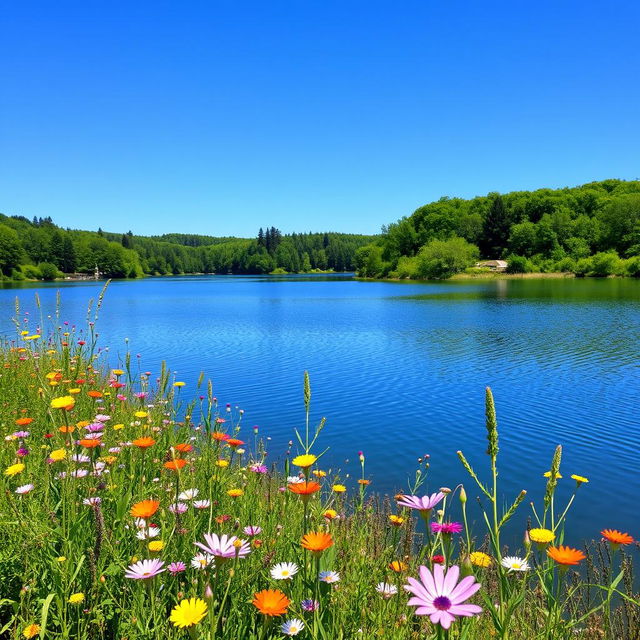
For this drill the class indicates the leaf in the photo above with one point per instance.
(45, 614)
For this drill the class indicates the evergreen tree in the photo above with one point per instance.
(495, 229)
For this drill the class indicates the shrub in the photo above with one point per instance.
(48, 271)
(583, 267)
(605, 264)
(518, 264)
(443, 258)
(632, 267)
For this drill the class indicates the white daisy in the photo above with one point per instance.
(386, 590)
(284, 570)
(513, 563)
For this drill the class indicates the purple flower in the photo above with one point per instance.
(258, 468)
(446, 528)
(102, 418)
(20, 434)
(22, 452)
(224, 547)
(424, 504)
(94, 501)
(310, 605)
(440, 596)
(176, 567)
(144, 569)
(178, 508)
(95, 427)
(252, 530)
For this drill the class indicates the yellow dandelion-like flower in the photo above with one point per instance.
(64, 402)
(76, 598)
(75, 391)
(579, 479)
(318, 473)
(547, 474)
(396, 521)
(339, 488)
(31, 631)
(117, 427)
(235, 493)
(117, 372)
(61, 559)
(58, 454)
(156, 545)
(305, 460)
(330, 514)
(14, 469)
(140, 414)
(188, 612)
(541, 536)
(480, 559)
(179, 384)
(222, 463)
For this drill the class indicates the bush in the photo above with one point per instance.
(406, 268)
(566, 265)
(30, 271)
(583, 267)
(518, 264)
(48, 271)
(441, 259)
(632, 267)
(605, 264)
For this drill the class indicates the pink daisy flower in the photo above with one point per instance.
(144, 569)
(224, 546)
(424, 504)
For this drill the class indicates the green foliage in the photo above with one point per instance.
(443, 258)
(605, 264)
(519, 264)
(48, 271)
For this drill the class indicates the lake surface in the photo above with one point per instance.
(399, 371)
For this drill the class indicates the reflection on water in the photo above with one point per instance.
(399, 369)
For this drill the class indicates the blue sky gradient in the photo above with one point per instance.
(220, 117)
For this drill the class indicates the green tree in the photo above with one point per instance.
(495, 228)
(10, 249)
(441, 259)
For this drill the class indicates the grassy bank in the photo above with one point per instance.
(137, 507)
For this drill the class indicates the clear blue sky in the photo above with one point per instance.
(221, 117)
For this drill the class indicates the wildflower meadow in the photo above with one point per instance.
(134, 506)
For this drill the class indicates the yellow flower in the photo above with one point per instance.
(52, 375)
(118, 426)
(480, 559)
(58, 454)
(31, 631)
(579, 479)
(222, 463)
(330, 514)
(339, 488)
(82, 424)
(76, 598)
(14, 469)
(547, 474)
(75, 391)
(396, 520)
(305, 460)
(140, 414)
(188, 612)
(61, 559)
(318, 473)
(24, 333)
(541, 536)
(156, 545)
(35, 336)
(179, 384)
(117, 372)
(64, 402)
(235, 493)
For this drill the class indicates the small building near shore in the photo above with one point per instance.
(494, 265)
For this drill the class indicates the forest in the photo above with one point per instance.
(589, 230)
(39, 249)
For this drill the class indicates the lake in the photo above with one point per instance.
(399, 371)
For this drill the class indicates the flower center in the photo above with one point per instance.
(442, 603)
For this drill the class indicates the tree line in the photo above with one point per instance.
(589, 230)
(39, 249)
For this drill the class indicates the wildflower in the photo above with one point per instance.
(24, 422)
(252, 530)
(304, 461)
(513, 563)
(294, 480)
(547, 474)
(364, 482)
(188, 612)
(386, 590)
(310, 605)
(156, 545)
(179, 384)
(579, 479)
(446, 528)
(616, 538)
(437, 559)
(183, 447)
(14, 469)
(31, 631)
(202, 560)
(144, 569)
(145, 509)
(440, 596)
(271, 602)
(305, 489)
(94, 501)
(178, 508)
(24, 489)
(76, 598)
(94, 394)
(90, 443)
(398, 566)
(318, 473)
(224, 547)
(65, 402)
(61, 559)
(541, 536)
(329, 577)
(219, 436)
(565, 555)
(188, 494)
(176, 567)
(223, 464)
(338, 488)
(201, 504)
(144, 443)
(235, 493)
(480, 559)
(396, 521)
(292, 627)
(258, 468)
(317, 541)
(284, 570)
(330, 514)
(424, 505)
(175, 465)
(234, 442)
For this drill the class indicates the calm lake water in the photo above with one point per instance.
(399, 371)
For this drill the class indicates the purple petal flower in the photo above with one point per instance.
(145, 569)
(446, 528)
(440, 596)
(424, 504)
(224, 547)
(176, 567)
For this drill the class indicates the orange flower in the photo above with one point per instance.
(175, 465)
(364, 482)
(145, 442)
(219, 436)
(23, 422)
(234, 442)
(565, 555)
(65, 429)
(90, 444)
(183, 447)
(304, 488)
(398, 566)
(271, 602)
(145, 509)
(616, 538)
(94, 394)
(317, 541)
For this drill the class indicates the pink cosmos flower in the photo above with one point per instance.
(252, 530)
(145, 569)
(224, 546)
(446, 528)
(176, 567)
(440, 596)
(424, 504)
